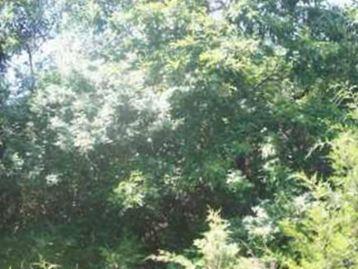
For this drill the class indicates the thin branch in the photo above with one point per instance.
(32, 73)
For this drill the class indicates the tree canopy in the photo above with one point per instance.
(178, 134)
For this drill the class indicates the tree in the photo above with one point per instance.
(144, 113)
(214, 250)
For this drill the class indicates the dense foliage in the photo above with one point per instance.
(178, 134)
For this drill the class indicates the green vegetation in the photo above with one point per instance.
(189, 134)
